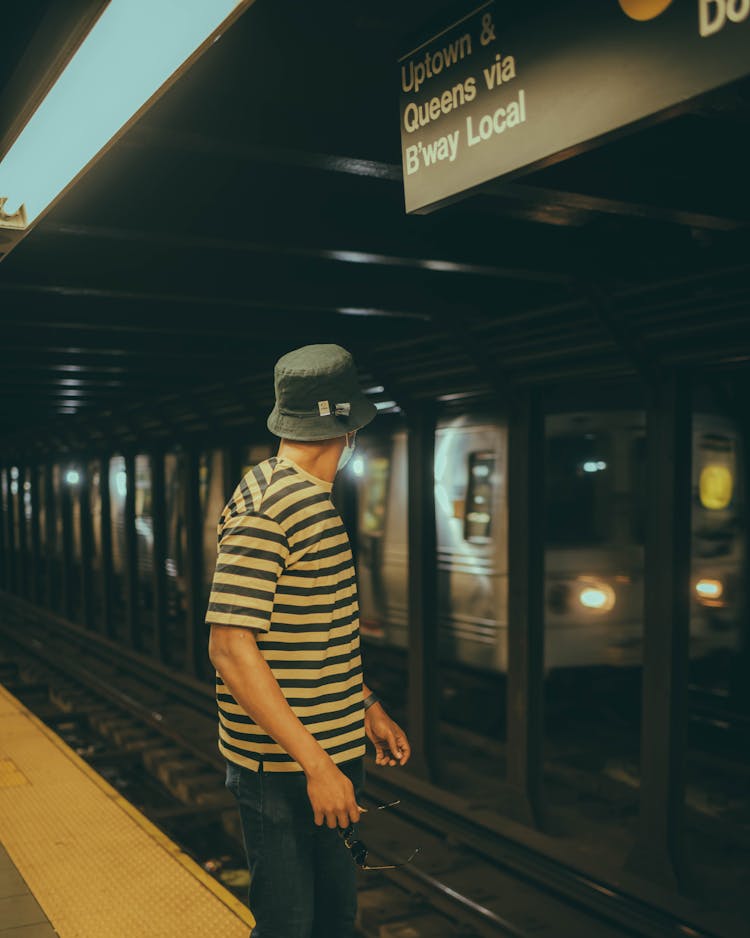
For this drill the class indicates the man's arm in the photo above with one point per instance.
(390, 741)
(235, 654)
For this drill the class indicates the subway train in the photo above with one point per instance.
(594, 532)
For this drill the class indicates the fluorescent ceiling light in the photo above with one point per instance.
(131, 53)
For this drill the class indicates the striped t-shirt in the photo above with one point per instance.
(285, 569)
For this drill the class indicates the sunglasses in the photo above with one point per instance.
(359, 851)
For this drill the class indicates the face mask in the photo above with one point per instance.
(347, 452)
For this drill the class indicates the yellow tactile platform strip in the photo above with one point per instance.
(98, 868)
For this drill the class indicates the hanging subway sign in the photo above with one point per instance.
(502, 91)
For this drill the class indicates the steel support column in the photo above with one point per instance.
(10, 533)
(4, 552)
(159, 583)
(423, 697)
(87, 545)
(51, 547)
(525, 690)
(132, 625)
(194, 631)
(35, 553)
(108, 622)
(740, 661)
(23, 539)
(66, 592)
(658, 854)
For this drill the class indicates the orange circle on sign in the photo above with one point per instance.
(644, 9)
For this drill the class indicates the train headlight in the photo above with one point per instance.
(598, 596)
(709, 591)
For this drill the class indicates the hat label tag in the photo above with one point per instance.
(343, 410)
(324, 408)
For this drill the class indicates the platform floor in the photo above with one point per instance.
(79, 861)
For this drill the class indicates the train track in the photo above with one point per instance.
(466, 881)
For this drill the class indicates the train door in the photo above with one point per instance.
(471, 521)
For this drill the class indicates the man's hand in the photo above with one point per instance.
(331, 795)
(391, 744)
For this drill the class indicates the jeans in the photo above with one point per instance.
(302, 877)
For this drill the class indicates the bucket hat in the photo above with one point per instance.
(318, 396)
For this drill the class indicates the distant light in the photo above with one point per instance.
(385, 405)
(709, 589)
(445, 266)
(72, 477)
(716, 486)
(377, 389)
(14, 488)
(14, 472)
(600, 597)
(121, 483)
(481, 471)
(133, 49)
(594, 465)
(355, 257)
(358, 466)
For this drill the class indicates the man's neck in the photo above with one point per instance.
(319, 459)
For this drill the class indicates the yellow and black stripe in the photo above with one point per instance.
(285, 569)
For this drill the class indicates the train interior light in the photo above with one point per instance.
(133, 50)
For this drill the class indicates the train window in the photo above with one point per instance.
(578, 489)
(479, 497)
(375, 495)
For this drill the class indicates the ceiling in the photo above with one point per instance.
(258, 206)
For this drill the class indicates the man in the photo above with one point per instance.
(283, 611)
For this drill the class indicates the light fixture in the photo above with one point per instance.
(715, 486)
(709, 590)
(358, 466)
(72, 477)
(121, 483)
(135, 50)
(594, 465)
(597, 596)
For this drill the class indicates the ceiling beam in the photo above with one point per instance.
(150, 137)
(345, 253)
(188, 300)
